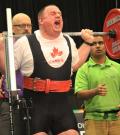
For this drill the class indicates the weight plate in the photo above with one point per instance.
(112, 22)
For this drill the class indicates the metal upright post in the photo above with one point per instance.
(116, 3)
(10, 68)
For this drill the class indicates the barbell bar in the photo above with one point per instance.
(111, 33)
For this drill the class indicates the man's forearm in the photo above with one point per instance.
(83, 52)
(87, 94)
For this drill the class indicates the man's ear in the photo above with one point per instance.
(40, 20)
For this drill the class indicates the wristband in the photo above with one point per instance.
(90, 44)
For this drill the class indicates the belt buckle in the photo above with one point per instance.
(105, 115)
(33, 83)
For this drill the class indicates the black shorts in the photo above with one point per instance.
(52, 112)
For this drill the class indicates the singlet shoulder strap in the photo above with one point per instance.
(32, 40)
(68, 40)
(34, 45)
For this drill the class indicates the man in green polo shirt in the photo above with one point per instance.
(98, 83)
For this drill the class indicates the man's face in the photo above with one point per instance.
(98, 48)
(51, 19)
(22, 26)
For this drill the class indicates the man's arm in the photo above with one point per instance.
(87, 94)
(82, 88)
(84, 49)
(83, 52)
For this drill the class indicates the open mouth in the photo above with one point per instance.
(57, 23)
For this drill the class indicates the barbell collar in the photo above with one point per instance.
(112, 33)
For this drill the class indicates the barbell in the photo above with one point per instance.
(111, 30)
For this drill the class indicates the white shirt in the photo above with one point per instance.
(55, 52)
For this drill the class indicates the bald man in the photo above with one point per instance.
(21, 24)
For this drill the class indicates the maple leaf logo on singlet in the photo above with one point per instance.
(56, 52)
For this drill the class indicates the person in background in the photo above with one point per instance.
(21, 25)
(98, 83)
(47, 60)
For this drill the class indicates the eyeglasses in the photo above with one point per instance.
(23, 26)
(99, 42)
